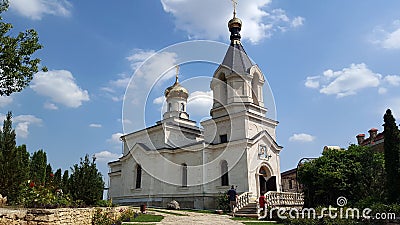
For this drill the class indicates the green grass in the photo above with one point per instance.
(261, 223)
(147, 218)
(243, 218)
(167, 212)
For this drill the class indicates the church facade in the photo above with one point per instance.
(177, 160)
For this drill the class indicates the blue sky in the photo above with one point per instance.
(333, 67)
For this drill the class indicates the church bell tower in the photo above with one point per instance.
(238, 108)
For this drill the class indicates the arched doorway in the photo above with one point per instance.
(266, 181)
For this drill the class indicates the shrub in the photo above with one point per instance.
(223, 202)
(38, 196)
(102, 218)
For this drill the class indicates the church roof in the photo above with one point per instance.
(236, 59)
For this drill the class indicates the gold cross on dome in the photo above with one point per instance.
(234, 2)
(177, 73)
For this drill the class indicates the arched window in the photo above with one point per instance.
(183, 107)
(224, 173)
(138, 176)
(169, 107)
(184, 175)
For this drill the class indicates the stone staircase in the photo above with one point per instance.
(247, 205)
(250, 210)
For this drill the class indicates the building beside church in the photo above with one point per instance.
(177, 160)
(375, 140)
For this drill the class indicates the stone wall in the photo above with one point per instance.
(62, 216)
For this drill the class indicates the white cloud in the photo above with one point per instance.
(388, 38)
(122, 82)
(312, 82)
(159, 100)
(115, 88)
(5, 100)
(382, 90)
(393, 80)
(349, 81)
(95, 125)
(115, 138)
(138, 56)
(154, 66)
(60, 86)
(298, 21)
(302, 138)
(50, 106)
(22, 123)
(146, 76)
(200, 103)
(36, 9)
(106, 156)
(258, 22)
(392, 40)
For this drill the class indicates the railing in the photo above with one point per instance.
(275, 199)
(243, 200)
(284, 199)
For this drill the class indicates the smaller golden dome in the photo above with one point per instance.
(235, 22)
(176, 90)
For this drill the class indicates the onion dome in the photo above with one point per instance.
(176, 90)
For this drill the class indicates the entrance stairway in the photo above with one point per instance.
(250, 210)
(247, 204)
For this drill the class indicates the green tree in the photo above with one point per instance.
(86, 182)
(16, 62)
(14, 161)
(356, 173)
(58, 179)
(392, 154)
(49, 175)
(65, 181)
(38, 167)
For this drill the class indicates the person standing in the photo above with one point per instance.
(232, 195)
(261, 202)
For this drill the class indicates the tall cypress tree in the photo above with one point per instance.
(38, 167)
(392, 154)
(57, 178)
(65, 181)
(14, 161)
(7, 146)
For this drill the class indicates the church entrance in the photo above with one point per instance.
(266, 181)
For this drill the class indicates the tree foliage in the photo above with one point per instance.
(38, 167)
(392, 154)
(17, 65)
(356, 173)
(86, 182)
(14, 161)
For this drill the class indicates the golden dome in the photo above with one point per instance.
(176, 90)
(235, 22)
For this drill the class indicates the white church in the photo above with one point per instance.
(177, 160)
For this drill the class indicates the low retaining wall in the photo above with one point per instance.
(61, 216)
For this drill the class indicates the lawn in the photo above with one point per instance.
(243, 218)
(147, 218)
